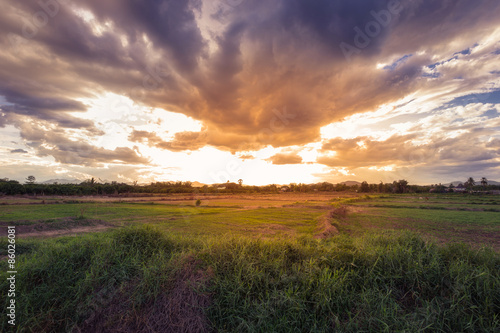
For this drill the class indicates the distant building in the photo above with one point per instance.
(460, 188)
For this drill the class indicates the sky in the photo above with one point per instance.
(278, 91)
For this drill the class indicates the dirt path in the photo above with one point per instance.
(60, 227)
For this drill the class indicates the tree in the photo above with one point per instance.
(240, 181)
(484, 182)
(438, 188)
(30, 180)
(400, 186)
(470, 183)
(365, 187)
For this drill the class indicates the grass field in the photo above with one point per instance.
(263, 263)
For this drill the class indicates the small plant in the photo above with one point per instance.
(82, 213)
(198, 203)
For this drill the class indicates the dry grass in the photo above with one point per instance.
(338, 212)
(180, 309)
(325, 227)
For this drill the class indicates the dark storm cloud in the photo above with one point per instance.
(234, 72)
(171, 25)
(292, 59)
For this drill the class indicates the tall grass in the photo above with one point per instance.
(375, 282)
(372, 283)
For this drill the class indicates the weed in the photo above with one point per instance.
(83, 210)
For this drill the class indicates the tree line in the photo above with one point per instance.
(95, 187)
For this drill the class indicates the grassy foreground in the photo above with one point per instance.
(144, 279)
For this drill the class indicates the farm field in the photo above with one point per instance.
(470, 219)
(286, 262)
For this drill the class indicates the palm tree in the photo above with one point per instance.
(470, 183)
(484, 182)
(240, 181)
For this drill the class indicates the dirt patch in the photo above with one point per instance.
(55, 227)
(180, 308)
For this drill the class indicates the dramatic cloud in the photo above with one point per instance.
(362, 151)
(56, 143)
(254, 74)
(285, 159)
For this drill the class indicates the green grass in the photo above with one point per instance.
(194, 220)
(260, 268)
(475, 228)
(375, 282)
(104, 211)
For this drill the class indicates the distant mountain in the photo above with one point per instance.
(478, 182)
(197, 184)
(351, 183)
(62, 181)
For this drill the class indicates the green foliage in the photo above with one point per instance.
(375, 282)
(365, 187)
(94, 187)
(142, 240)
(56, 285)
(30, 180)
